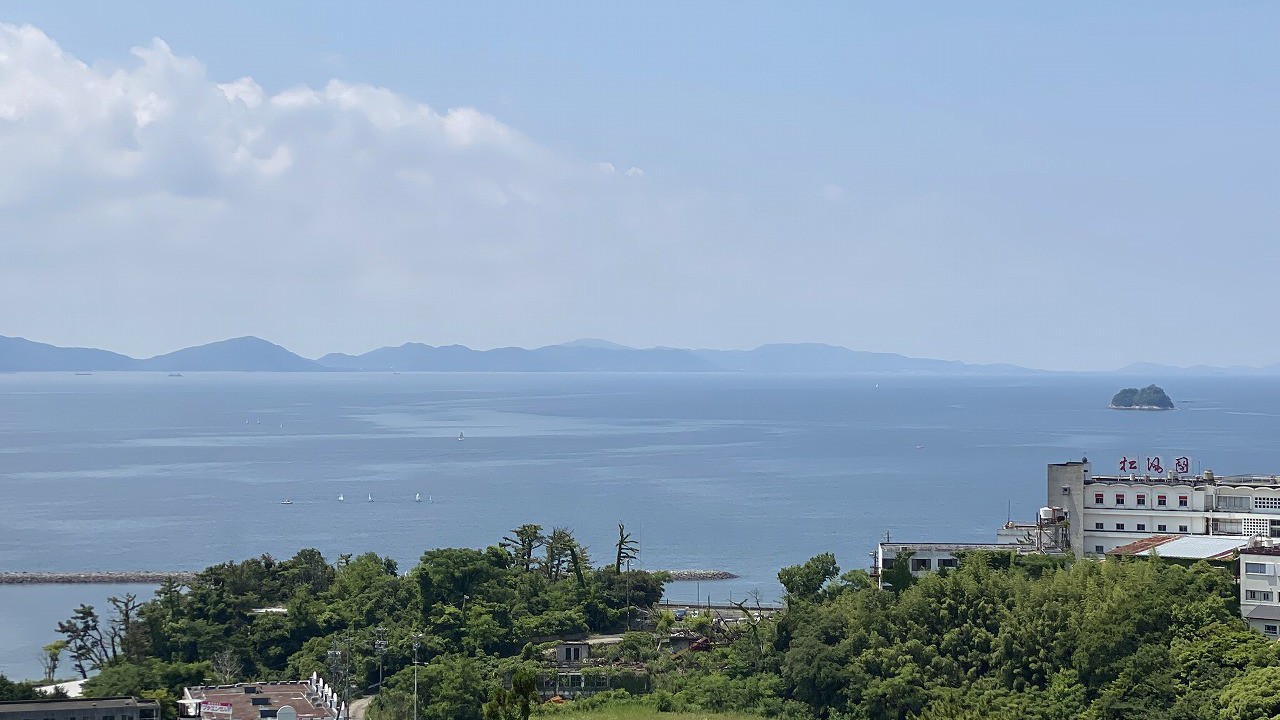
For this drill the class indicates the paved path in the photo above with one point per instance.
(359, 708)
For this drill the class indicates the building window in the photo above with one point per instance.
(1097, 549)
(948, 563)
(1271, 630)
(1097, 526)
(1098, 499)
(1258, 595)
(1119, 526)
(1182, 501)
(1142, 499)
(887, 563)
(1256, 568)
(1160, 500)
(1274, 526)
(1182, 528)
(919, 564)
(1232, 502)
(1142, 526)
(1119, 498)
(1066, 489)
(1162, 528)
(1266, 503)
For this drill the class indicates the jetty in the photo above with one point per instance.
(141, 577)
(692, 575)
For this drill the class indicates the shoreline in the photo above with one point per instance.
(144, 577)
(1150, 408)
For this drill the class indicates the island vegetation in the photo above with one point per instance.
(1001, 637)
(1151, 397)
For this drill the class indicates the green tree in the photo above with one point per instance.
(804, 582)
(1255, 695)
(51, 657)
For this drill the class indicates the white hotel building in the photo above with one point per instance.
(1106, 511)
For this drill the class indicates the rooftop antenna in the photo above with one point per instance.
(886, 536)
(1008, 511)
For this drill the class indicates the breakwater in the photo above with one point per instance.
(141, 577)
(690, 575)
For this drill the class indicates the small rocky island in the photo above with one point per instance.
(1151, 397)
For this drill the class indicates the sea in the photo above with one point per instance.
(717, 471)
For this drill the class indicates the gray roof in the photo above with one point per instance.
(17, 706)
(1263, 612)
(1197, 547)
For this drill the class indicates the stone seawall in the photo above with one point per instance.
(78, 578)
(690, 575)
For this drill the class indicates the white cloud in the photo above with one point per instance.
(170, 207)
(635, 172)
(606, 167)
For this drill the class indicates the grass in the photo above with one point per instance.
(637, 712)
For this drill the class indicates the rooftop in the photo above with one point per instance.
(1184, 479)
(17, 706)
(247, 705)
(951, 546)
(1184, 547)
(1260, 551)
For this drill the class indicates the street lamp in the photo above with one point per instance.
(417, 640)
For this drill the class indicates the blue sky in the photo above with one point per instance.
(1061, 185)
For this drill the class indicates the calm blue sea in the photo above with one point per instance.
(124, 471)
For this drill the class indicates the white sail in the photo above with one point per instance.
(417, 497)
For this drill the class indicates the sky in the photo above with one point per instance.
(1059, 185)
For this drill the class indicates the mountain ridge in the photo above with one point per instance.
(252, 354)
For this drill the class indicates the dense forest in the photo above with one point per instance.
(1151, 396)
(1002, 637)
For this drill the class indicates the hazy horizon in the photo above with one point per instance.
(1066, 187)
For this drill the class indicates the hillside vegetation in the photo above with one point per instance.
(1149, 397)
(1003, 637)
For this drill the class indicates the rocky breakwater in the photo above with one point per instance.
(691, 575)
(141, 577)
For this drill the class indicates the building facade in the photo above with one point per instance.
(1104, 512)
(1260, 589)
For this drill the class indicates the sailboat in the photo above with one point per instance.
(460, 438)
(340, 498)
(417, 497)
(370, 497)
(430, 499)
(286, 502)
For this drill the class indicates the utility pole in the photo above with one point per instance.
(380, 647)
(338, 672)
(417, 640)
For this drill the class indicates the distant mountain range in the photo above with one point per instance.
(251, 354)
(238, 354)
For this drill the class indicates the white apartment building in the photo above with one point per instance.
(1260, 589)
(1104, 512)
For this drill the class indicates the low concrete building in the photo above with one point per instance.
(928, 557)
(573, 652)
(114, 708)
